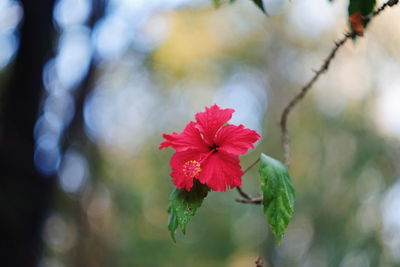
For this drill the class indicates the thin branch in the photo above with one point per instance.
(303, 92)
(307, 87)
(240, 189)
(251, 166)
(259, 262)
(253, 200)
(243, 193)
(247, 198)
(389, 3)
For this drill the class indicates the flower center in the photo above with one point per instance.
(191, 168)
(213, 147)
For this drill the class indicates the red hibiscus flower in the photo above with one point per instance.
(208, 150)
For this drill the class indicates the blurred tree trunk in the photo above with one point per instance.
(24, 192)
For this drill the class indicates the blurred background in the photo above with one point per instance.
(87, 88)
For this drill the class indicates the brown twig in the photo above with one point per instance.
(259, 262)
(324, 68)
(240, 189)
(286, 111)
(243, 193)
(389, 3)
(251, 165)
(304, 90)
(252, 200)
(247, 198)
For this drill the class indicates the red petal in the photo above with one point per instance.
(210, 121)
(236, 139)
(221, 170)
(178, 160)
(189, 138)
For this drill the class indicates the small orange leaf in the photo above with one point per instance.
(357, 23)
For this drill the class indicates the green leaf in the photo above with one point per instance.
(365, 7)
(183, 205)
(278, 194)
(260, 5)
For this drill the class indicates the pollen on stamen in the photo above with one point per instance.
(191, 168)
